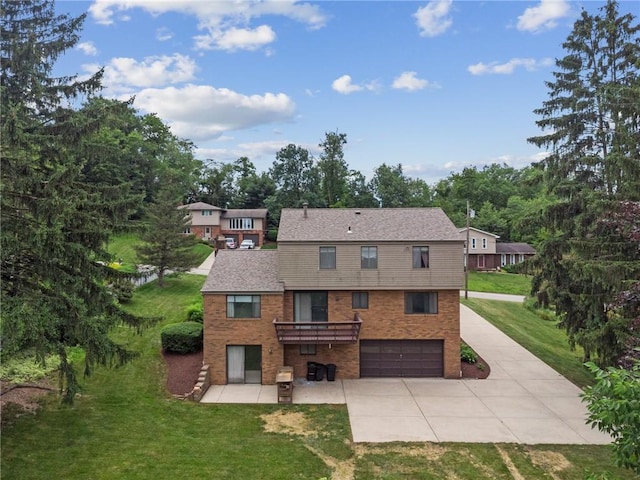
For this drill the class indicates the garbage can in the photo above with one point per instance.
(320, 369)
(331, 372)
(311, 371)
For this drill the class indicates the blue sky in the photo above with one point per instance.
(436, 86)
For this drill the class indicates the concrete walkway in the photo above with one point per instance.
(204, 268)
(523, 400)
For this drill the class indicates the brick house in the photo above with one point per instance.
(487, 253)
(373, 291)
(209, 222)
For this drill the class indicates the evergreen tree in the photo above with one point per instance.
(55, 219)
(166, 246)
(593, 119)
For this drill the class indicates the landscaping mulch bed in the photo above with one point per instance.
(182, 371)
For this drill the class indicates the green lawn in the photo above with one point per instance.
(125, 426)
(122, 247)
(499, 282)
(541, 337)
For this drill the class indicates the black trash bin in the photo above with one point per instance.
(320, 369)
(331, 372)
(311, 371)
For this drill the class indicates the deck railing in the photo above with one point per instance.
(318, 332)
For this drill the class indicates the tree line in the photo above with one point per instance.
(77, 168)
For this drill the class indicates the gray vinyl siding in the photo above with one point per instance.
(298, 267)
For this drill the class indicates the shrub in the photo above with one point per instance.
(272, 234)
(467, 354)
(185, 337)
(195, 313)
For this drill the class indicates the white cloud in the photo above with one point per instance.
(543, 16)
(529, 64)
(409, 81)
(433, 19)
(236, 39)
(163, 34)
(123, 73)
(343, 85)
(88, 48)
(201, 112)
(226, 23)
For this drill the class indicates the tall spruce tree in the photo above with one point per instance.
(592, 121)
(165, 246)
(54, 221)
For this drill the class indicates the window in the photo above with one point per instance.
(360, 300)
(503, 260)
(420, 257)
(327, 257)
(207, 213)
(241, 223)
(308, 349)
(484, 243)
(243, 306)
(187, 230)
(368, 257)
(310, 307)
(473, 243)
(421, 302)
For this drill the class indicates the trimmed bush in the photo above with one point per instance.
(195, 313)
(272, 234)
(467, 354)
(185, 337)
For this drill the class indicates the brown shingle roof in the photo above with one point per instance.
(523, 248)
(366, 224)
(238, 271)
(199, 206)
(245, 213)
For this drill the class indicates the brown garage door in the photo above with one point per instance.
(401, 358)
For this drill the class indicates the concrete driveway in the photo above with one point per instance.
(523, 400)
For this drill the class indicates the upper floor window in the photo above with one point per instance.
(420, 257)
(207, 213)
(484, 243)
(368, 257)
(241, 223)
(473, 243)
(421, 302)
(187, 230)
(360, 300)
(243, 306)
(327, 257)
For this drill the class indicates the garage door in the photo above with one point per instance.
(401, 358)
(251, 236)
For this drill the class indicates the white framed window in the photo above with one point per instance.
(207, 213)
(241, 223)
(187, 230)
(484, 243)
(473, 243)
(420, 257)
(368, 257)
(327, 257)
(243, 306)
(503, 259)
(513, 259)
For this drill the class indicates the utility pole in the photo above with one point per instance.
(466, 259)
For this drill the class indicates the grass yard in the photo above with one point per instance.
(540, 337)
(122, 247)
(125, 426)
(499, 282)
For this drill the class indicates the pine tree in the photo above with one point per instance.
(593, 119)
(166, 246)
(54, 222)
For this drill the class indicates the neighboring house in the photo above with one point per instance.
(373, 291)
(209, 222)
(487, 253)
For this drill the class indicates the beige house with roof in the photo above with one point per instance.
(209, 222)
(373, 292)
(486, 252)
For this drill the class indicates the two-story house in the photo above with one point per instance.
(487, 253)
(208, 222)
(373, 291)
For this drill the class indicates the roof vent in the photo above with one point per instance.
(349, 229)
(357, 212)
(304, 209)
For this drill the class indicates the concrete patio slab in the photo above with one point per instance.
(472, 430)
(382, 386)
(383, 406)
(391, 429)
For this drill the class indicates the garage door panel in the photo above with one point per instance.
(401, 358)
